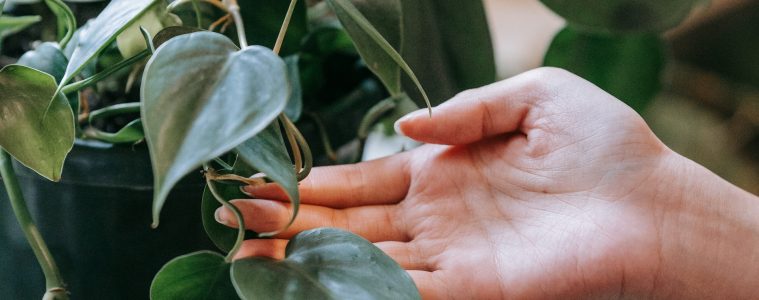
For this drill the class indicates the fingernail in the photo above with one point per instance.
(409, 116)
(217, 216)
(247, 190)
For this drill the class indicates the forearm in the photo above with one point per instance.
(709, 236)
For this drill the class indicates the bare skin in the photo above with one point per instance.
(540, 186)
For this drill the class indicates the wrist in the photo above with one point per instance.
(708, 235)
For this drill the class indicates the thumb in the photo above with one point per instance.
(475, 114)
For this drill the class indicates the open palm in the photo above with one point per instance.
(538, 187)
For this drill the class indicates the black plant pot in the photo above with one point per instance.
(96, 222)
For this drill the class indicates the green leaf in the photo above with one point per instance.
(40, 142)
(47, 58)
(626, 66)
(263, 20)
(294, 106)
(324, 263)
(202, 275)
(202, 97)
(223, 237)
(376, 51)
(266, 153)
(130, 133)
(114, 19)
(447, 44)
(171, 32)
(2, 4)
(11, 25)
(114, 110)
(623, 15)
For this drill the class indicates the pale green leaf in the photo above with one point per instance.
(324, 264)
(39, 141)
(47, 58)
(201, 97)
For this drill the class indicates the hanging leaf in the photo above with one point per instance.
(47, 58)
(11, 25)
(202, 97)
(267, 153)
(223, 237)
(39, 141)
(114, 19)
(294, 106)
(263, 20)
(202, 275)
(130, 133)
(623, 15)
(324, 263)
(627, 66)
(378, 53)
(447, 44)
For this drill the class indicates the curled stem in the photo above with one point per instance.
(53, 279)
(300, 143)
(235, 211)
(61, 10)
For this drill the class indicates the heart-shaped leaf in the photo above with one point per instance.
(267, 153)
(114, 19)
(223, 237)
(201, 97)
(623, 15)
(39, 141)
(626, 66)
(263, 20)
(47, 58)
(202, 275)
(324, 264)
(375, 49)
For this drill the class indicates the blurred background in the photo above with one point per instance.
(708, 107)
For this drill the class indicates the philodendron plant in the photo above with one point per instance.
(214, 97)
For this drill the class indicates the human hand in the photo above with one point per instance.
(540, 186)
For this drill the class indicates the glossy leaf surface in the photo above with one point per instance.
(47, 58)
(377, 52)
(263, 19)
(115, 18)
(267, 154)
(324, 263)
(626, 66)
(40, 142)
(201, 275)
(447, 44)
(623, 15)
(201, 97)
(223, 237)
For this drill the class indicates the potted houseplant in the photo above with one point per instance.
(222, 91)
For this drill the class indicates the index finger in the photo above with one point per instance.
(376, 182)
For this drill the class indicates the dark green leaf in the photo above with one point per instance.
(201, 275)
(47, 58)
(324, 264)
(263, 20)
(11, 25)
(2, 4)
(131, 133)
(267, 153)
(295, 103)
(114, 19)
(222, 236)
(623, 15)
(201, 98)
(376, 51)
(171, 32)
(40, 142)
(626, 66)
(370, 21)
(447, 44)
(209, 12)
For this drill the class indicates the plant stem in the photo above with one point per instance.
(324, 136)
(53, 280)
(302, 144)
(69, 20)
(297, 159)
(198, 18)
(76, 86)
(233, 208)
(285, 25)
(234, 10)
